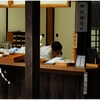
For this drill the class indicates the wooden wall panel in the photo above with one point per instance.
(16, 90)
(3, 88)
(44, 84)
(60, 86)
(81, 89)
(53, 86)
(94, 85)
(68, 87)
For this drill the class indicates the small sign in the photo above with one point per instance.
(82, 16)
(80, 61)
(75, 37)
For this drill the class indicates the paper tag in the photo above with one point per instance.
(80, 61)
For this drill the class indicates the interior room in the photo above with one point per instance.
(74, 74)
(16, 22)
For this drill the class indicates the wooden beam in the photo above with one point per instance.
(32, 36)
(6, 22)
(50, 25)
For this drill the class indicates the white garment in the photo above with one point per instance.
(45, 52)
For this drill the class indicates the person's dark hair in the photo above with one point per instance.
(56, 46)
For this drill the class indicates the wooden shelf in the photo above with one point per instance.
(17, 39)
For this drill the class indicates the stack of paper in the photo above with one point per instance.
(52, 61)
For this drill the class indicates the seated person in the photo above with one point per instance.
(51, 51)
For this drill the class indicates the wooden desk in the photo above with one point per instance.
(58, 82)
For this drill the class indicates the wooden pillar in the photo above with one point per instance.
(6, 21)
(49, 25)
(84, 32)
(32, 39)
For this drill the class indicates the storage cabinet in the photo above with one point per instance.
(17, 39)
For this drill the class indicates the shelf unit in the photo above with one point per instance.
(16, 38)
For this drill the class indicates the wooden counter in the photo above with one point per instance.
(53, 68)
(44, 67)
(56, 82)
(50, 68)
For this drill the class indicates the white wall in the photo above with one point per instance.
(16, 19)
(65, 27)
(2, 24)
(43, 25)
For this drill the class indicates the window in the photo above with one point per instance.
(95, 39)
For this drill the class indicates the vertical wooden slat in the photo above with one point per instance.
(60, 86)
(6, 21)
(53, 86)
(16, 88)
(44, 84)
(82, 95)
(93, 78)
(68, 87)
(49, 25)
(32, 39)
(3, 88)
(12, 77)
(41, 86)
(22, 90)
(77, 87)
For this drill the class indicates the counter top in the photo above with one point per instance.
(17, 64)
(54, 68)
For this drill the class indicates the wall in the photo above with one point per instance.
(65, 27)
(2, 24)
(43, 25)
(16, 19)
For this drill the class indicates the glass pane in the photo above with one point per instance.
(92, 44)
(97, 32)
(93, 32)
(97, 49)
(97, 38)
(98, 44)
(93, 38)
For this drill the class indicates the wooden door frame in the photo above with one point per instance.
(49, 25)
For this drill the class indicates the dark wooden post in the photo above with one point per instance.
(49, 25)
(32, 36)
(83, 24)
